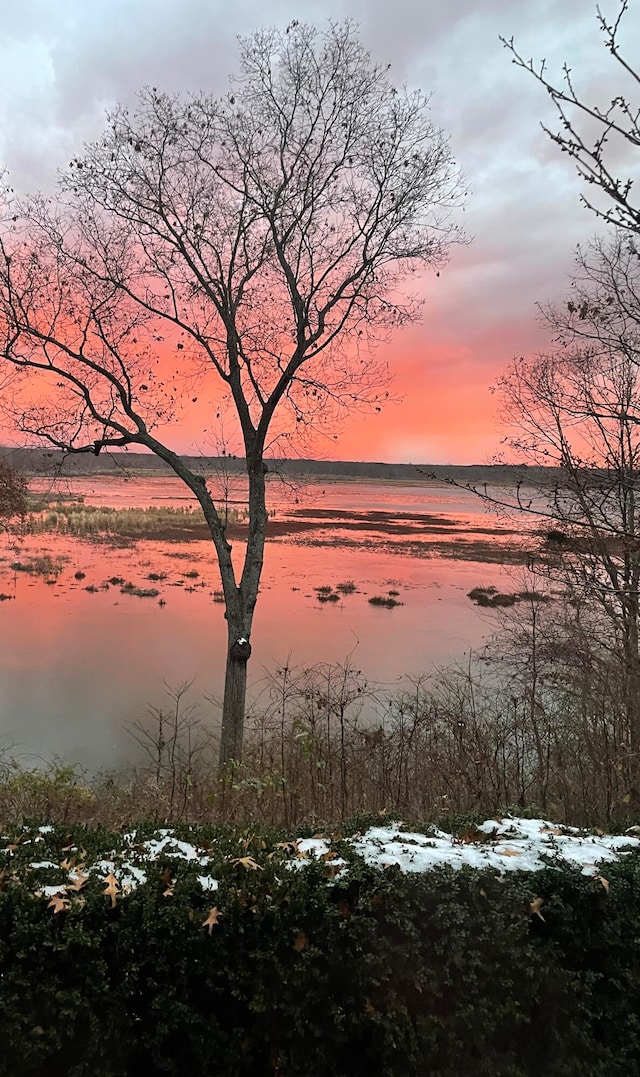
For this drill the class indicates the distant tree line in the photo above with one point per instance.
(35, 461)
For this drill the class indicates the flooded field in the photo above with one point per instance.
(82, 652)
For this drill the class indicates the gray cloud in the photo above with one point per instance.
(62, 65)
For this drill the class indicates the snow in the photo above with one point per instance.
(207, 883)
(511, 844)
(506, 844)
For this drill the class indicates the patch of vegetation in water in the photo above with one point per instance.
(491, 598)
(86, 521)
(346, 588)
(139, 592)
(386, 601)
(45, 565)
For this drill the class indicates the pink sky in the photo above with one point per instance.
(62, 65)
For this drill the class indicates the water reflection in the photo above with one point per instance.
(77, 664)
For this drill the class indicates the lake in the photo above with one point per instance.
(77, 665)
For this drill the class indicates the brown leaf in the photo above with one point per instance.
(112, 888)
(508, 852)
(605, 882)
(59, 903)
(248, 863)
(212, 918)
(288, 846)
(368, 1006)
(169, 882)
(68, 863)
(300, 942)
(534, 908)
(80, 880)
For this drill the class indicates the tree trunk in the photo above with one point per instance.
(240, 607)
(233, 708)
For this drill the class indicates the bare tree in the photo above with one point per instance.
(598, 138)
(576, 410)
(263, 238)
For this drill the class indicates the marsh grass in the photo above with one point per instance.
(387, 602)
(86, 521)
(139, 592)
(43, 565)
(491, 598)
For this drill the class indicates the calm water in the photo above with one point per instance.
(76, 666)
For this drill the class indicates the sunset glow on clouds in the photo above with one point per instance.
(62, 65)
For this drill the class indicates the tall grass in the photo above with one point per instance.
(88, 520)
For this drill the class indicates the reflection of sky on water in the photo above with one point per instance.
(76, 666)
(360, 496)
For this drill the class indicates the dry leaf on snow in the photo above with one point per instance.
(59, 903)
(80, 880)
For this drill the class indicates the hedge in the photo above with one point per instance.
(301, 972)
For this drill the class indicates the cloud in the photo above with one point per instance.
(62, 65)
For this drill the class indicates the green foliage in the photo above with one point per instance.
(445, 972)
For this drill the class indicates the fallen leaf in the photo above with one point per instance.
(368, 1006)
(508, 852)
(59, 903)
(68, 863)
(111, 889)
(300, 942)
(248, 863)
(605, 882)
(80, 880)
(288, 846)
(534, 908)
(212, 918)
(168, 883)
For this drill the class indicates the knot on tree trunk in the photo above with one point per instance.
(240, 650)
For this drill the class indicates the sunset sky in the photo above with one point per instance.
(63, 64)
